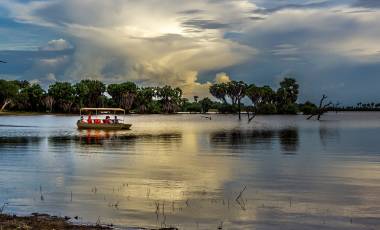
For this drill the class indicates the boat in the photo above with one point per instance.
(102, 119)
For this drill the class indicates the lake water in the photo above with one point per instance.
(188, 171)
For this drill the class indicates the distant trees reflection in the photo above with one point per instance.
(288, 138)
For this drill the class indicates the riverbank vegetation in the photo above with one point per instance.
(229, 97)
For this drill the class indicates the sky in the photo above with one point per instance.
(330, 47)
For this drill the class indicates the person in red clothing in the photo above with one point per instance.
(89, 120)
(107, 120)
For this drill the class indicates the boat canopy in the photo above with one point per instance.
(102, 109)
(113, 110)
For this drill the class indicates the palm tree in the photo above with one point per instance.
(89, 92)
(61, 95)
(170, 98)
(123, 94)
(144, 98)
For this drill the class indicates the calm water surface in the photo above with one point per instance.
(187, 171)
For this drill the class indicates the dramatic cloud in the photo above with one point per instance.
(187, 43)
(56, 45)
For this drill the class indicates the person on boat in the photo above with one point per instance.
(107, 120)
(81, 119)
(116, 121)
(89, 120)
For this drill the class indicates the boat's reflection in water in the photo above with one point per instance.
(122, 137)
(97, 136)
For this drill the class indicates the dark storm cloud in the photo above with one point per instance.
(285, 6)
(368, 3)
(190, 12)
(204, 24)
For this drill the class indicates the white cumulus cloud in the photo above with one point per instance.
(56, 45)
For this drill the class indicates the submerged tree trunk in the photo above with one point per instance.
(321, 109)
(251, 115)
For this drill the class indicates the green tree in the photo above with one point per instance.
(219, 91)
(89, 92)
(308, 108)
(206, 104)
(31, 98)
(268, 95)
(254, 93)
(63, 94)
(144, 99)
(48, 101)
(192, 107)
(236, 91)
(287, 95)
(8, 93)
(262, 98)
(288, 91)
(170, 98)
(123, 94)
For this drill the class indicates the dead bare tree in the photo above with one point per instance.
(321, 109)
(250, 113)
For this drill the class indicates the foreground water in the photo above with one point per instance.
(278, 172)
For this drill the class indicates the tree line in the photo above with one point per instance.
(264, 100)
(231, 97)
(64, 97)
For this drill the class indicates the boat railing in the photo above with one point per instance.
(104, 112)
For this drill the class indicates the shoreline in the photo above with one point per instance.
(47, 222)
(44, 222)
